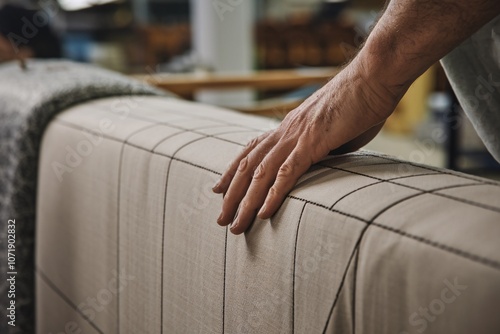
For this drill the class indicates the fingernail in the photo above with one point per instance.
(219, 220)
(262, 210)
(233, 224)
(216, 187)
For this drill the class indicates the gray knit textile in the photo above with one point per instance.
(28, 100)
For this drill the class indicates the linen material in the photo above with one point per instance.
(60, 317)
(455, 237)
(420, 294)
(343, 314)
(189, 221)
(141, 238)
(354, 229)
(78, 252)
(325, 248)
(317, 184)
(28, 101)
(259, 284)
(435, 182)
(486, 195)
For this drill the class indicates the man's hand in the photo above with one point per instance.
(258, 180)
(410, 37)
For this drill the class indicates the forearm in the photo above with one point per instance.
(413, 34)
(407, 40)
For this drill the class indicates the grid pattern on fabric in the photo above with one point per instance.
(197, 277)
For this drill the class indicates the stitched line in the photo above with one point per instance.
(382, 181)
(463, 200)
(164, 223)
(118, 237)
(59, 120)
(224, 287)
(481, 260)
(163, 140)
(352, 192)
(168, 171)
(424, 191)
(441, 171)
(456, 251)
(479, 205)
(484, 206)
(185, 114)
(164, 213)
(118, 221)
(197, 117)
(294, 266)
(138, 147)
(201, 134)
(410, 176)
(334, 161)
(353, 309)
(434, 244)
(420, 239)
(383, 163)
(339, 290)
(288, 196)
(65, 298)
(181, 132)
(356, 249)
(327, 208)
(452, 250)
(152, 120)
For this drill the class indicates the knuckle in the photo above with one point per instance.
(245, 206)
(243, 165)
(229, 172)
(273, 192)
(260, 172)
(252, 143)
(286, 170)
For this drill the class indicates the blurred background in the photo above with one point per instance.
(256, 56)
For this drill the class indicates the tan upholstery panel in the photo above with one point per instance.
(78, 240)
(260, 272)
(60, 316)
(127, 241)
(325, 246)
(141, 239)
(437, 292)
(194, 254)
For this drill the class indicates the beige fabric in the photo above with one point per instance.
(365, 243)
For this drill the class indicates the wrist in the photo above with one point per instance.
(374, 95)
(384, 71)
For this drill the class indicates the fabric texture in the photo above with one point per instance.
(474, 72)
(127, 240)
(28, 101)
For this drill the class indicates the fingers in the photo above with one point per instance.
(272, 181)
(228, 175)
(236, 191)
(261, 181)
(290, 171)
(240, 181)
(258, 180)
